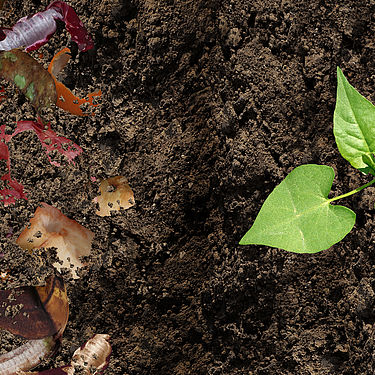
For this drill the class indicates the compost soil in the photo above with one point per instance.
(207, 105)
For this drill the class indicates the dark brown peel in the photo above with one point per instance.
(35, 312)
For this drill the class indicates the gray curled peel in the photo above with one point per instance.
(92, 358)
(39, 314)
(28, 355)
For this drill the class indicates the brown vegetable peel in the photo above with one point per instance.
(50, 228)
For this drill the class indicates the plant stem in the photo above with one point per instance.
(352, 192)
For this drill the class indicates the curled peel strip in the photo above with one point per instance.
(43, 316)
(90, 359)
(27, 356)
(66, 100)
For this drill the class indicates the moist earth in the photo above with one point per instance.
(207, 105)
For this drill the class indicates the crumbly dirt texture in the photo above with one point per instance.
(207, 105)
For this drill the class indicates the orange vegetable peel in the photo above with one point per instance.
(66, 100)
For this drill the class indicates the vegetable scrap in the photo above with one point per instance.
(115, 194)
(28, 355)
(34, 31)
(50, 228)
(35, 312)
(35, 82)
(92, 358)
(15, 190)
(66, 100)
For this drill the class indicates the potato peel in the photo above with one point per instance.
(116, 194)
(50, 228)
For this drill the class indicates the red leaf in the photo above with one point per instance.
(13, 193)
(56, 142)
(49, 140)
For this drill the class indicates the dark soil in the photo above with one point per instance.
(207, 105)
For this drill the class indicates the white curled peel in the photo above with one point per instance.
(31, 32)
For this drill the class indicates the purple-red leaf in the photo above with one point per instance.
(49, 140)
(74, 25)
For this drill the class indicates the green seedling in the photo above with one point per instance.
(298, 216)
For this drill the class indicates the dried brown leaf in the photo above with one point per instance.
(29, 76)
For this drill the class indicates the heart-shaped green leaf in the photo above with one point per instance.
(354, 126)
(297, 216)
